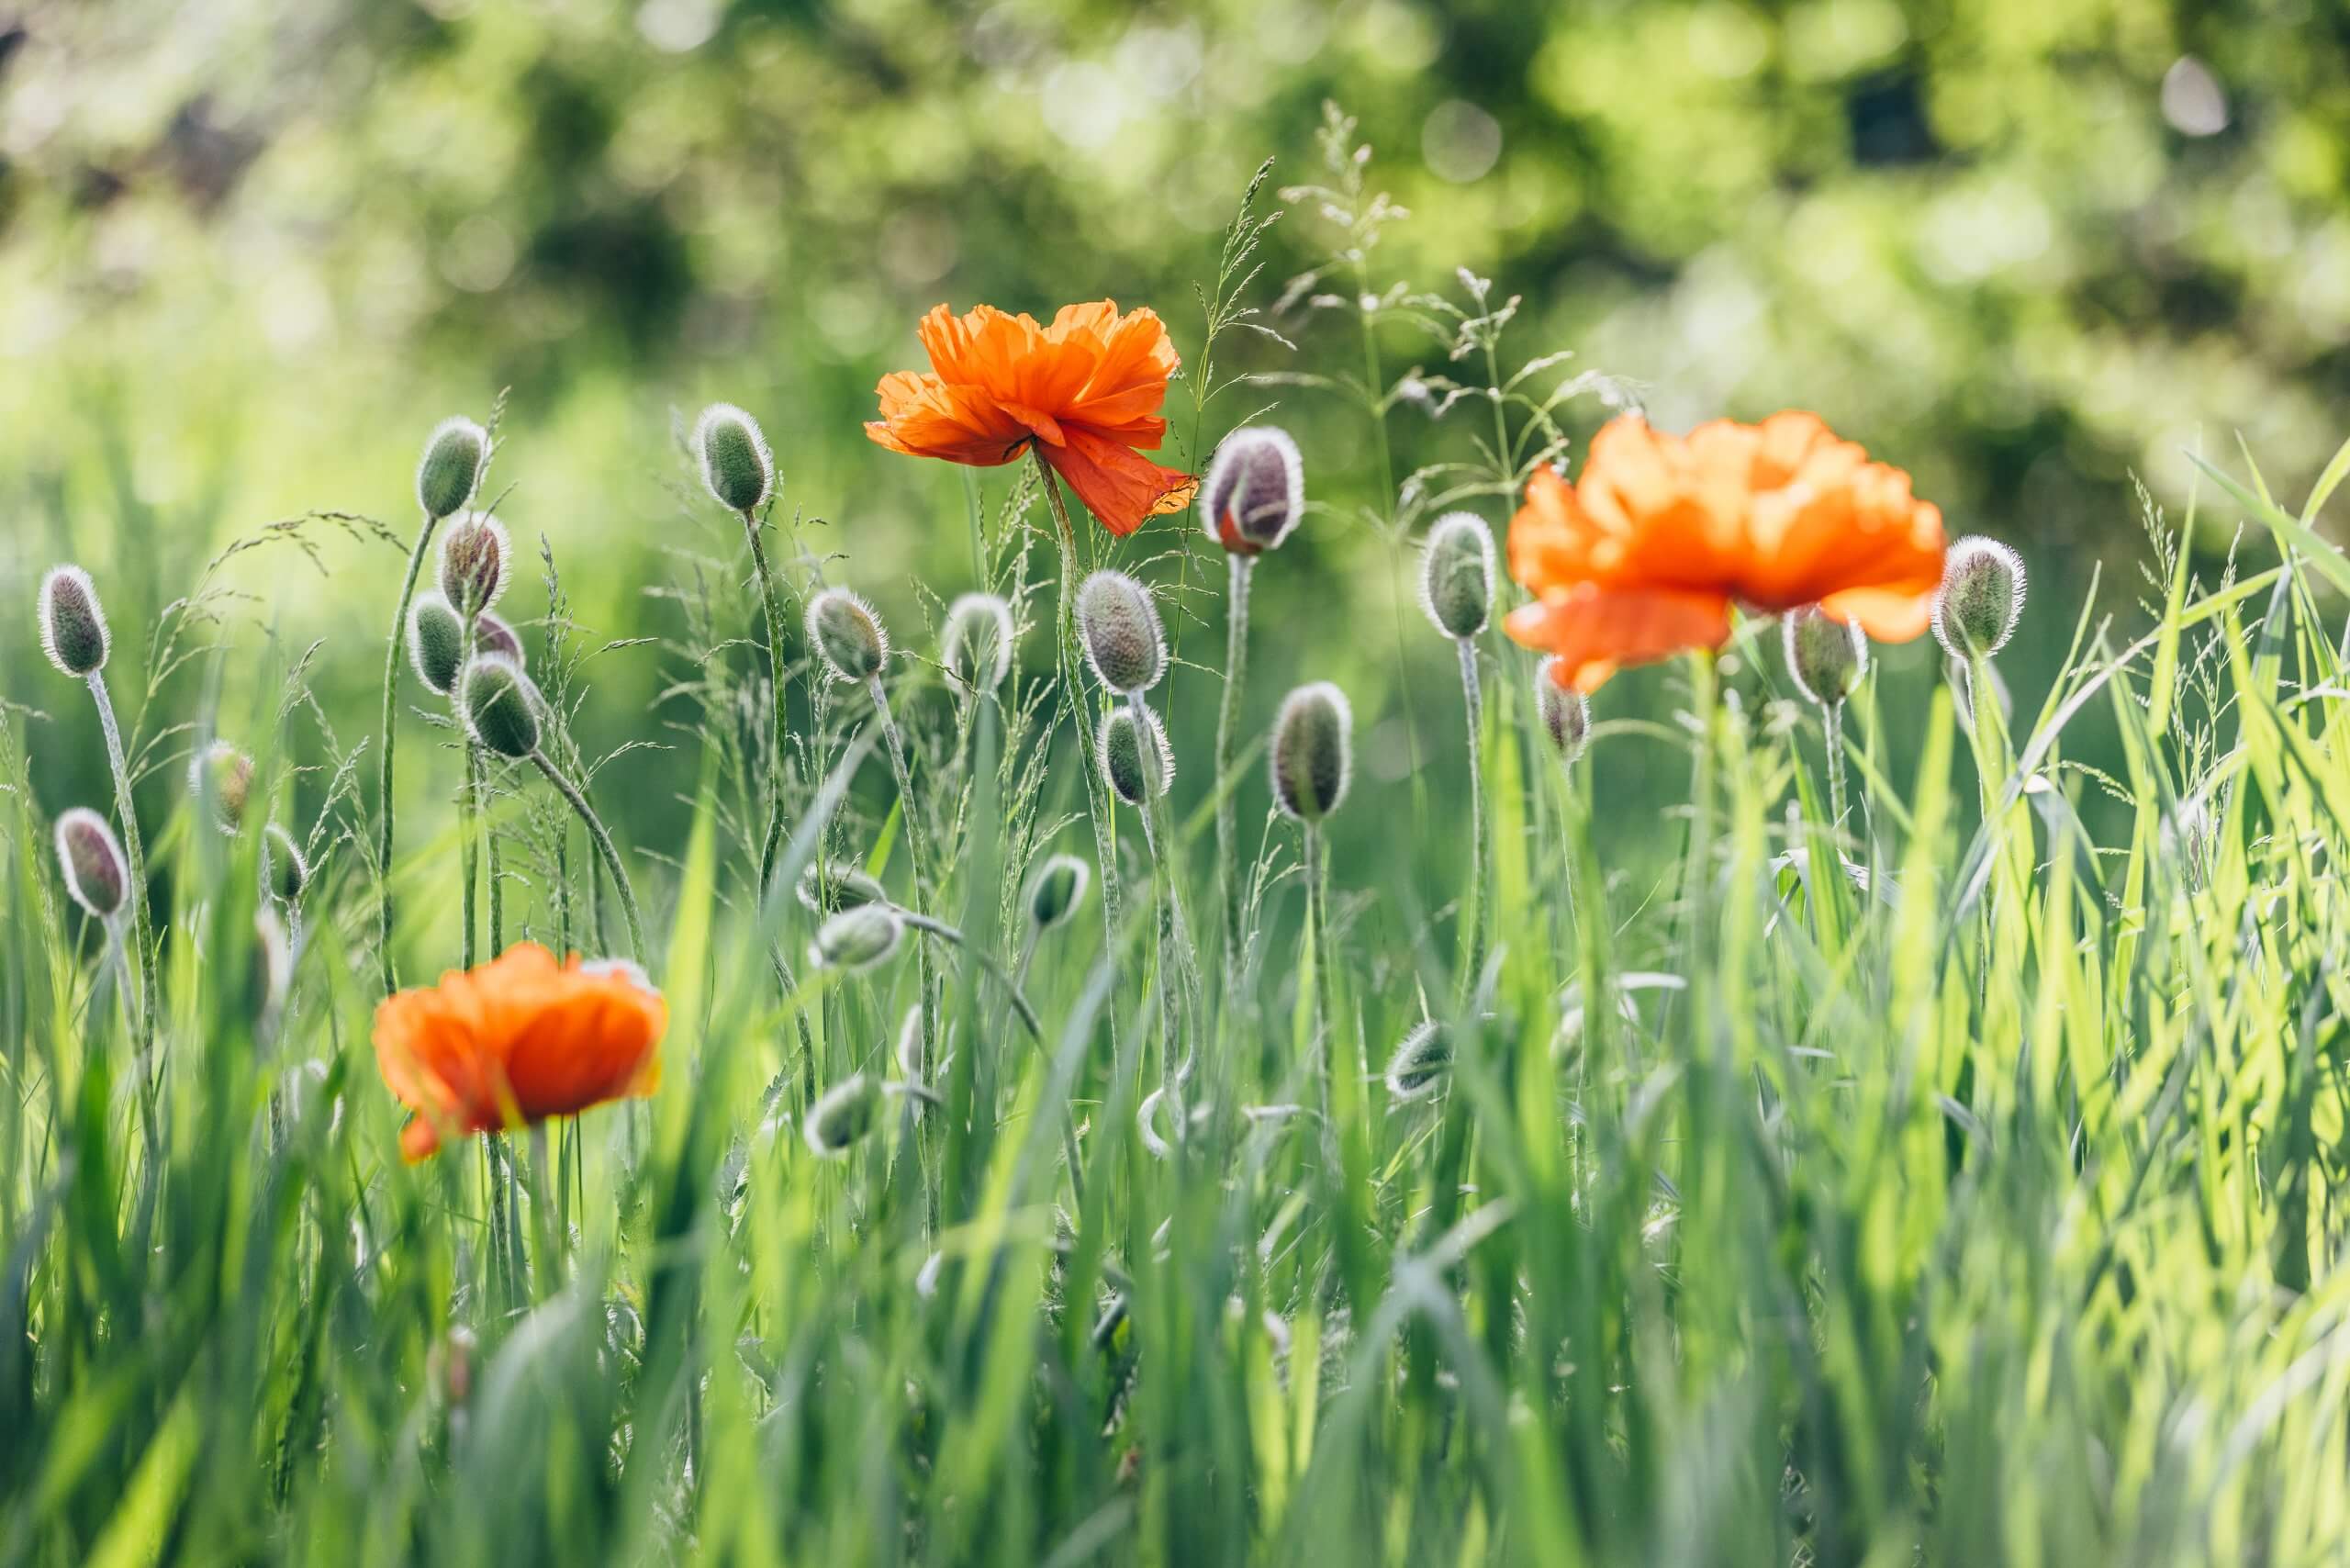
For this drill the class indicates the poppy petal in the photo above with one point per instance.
(1118, 486)
(1595, 631)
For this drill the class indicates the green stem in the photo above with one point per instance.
(916, 852)
(1097, 793)
(469, 851)
(383, 767)
(779, 721)
(604, 850)
(135, 858)
(1480, 829)
(1227, 723)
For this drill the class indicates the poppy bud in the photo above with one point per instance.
(1827, 656)
(909, 1052)
(1976, 607)
(283, 871)
(1056, 891)
(222, 778)
(90, 858)
(976, 646)
(1134, 754)
(858, 939)
(499, 706)
(1457, 575)
(1313, 745)
(736, 463)
(842, 1115)
(828, 889)
(1566, 713)
(1419, 1063)
(1255, 490)
(1119, 626)
(450, 471)
(436, 643)
(473, 556)
(848, 635)
(73, 623)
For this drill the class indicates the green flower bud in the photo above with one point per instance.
(858, 939)
(1313, 759)
(473, 562)
(1981, 598)
(1057, 889)
(735, 461)
(283, 870)
(499, 706)
(1134, 754)
(73, 623)
(1564, 712)
(221, 777)
(1119, 626)
(90, 858)
(828, 889)
(847, 635)
(1420, 1063)
(1826, 657)
(1457, 575)
(1255, 490)
(450, 471)
(436, 643)
(842, 1116)
(975, 644)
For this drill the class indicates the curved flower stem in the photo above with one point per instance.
(1832, 720)
(1179, 959)
(604, 850)
(1473, 699)
(383, 767)
(1227, 720)
(135, 861)
(1097, 793)
(779, 719)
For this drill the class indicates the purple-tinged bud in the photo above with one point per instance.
(90, 858)
(1564, 712)
(474, 558)
(73, 623)
(1255, 490)
(1119, 626)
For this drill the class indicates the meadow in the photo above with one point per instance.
(1652, 1036)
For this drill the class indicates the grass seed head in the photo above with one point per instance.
(221, 778)
(1313, 758)
(1420, 1063)
(450, 471)
(1057, 889)
(736, 463)
(848, 637)
(90, 859)
(975, 644)
(1119, 626)
(499, 706)
(284, 871)
(73, 623)
(1457, 575)
(858, 939)
(475, 563)
(1826, 657)
(1255, 490)
(1981, 598)
(843, 1116)
(1134, 754)
(1566, 713)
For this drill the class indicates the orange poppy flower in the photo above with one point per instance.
(1643, 558)
(515, 1041)
(1084, 392)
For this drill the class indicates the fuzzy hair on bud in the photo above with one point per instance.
(1255, 490)
(475, 563)
(90, 859)
(842, 1115)
(1057, 889)
(436, 643)
(1457, 575)
(73, 623)
(1826, 657)
(1981, 598)
(1119, 626)
(909, 1051)
(450, 471)
(1419, 1064)
(828, 889)
(1313, 760)
(1564, 712)
(284, 871)
(858, 939)
(1134, 754)
(736, 461)
(221, 777)
(499, 706)
(847, 635)
(975, 646)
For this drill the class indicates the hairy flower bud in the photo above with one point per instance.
(842, 1115)
(474, 554)
(1255, 490)
(499, 706)
(1057, 889)
(847, 635)
(436, 643)
(1134, 754)
(450, 471)
(1564, 712)
(1420, 1063)
(859, 938)
(73, 623)
(284, 871)
(1119, 626)
(1457, 575)
(1827, 656)
(90, 858)
(1313, 752)
(975, 646)
(221, 778)
(736, 463)
(1981, 598)
(828, 889)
